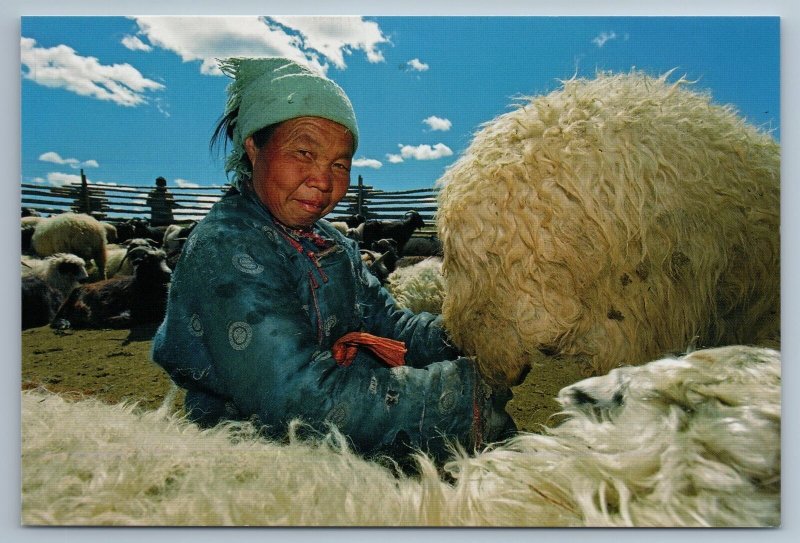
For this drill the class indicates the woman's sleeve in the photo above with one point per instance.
(423, 333)
(267, 362)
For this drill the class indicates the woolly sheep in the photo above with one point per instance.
(696, 442)
(122, 301)
(111, 231)
(614, 219)
(175, 236)
(419, 287)
(62, 271)
(75, 233)
(117, 262)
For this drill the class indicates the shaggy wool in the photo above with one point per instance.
(688, 441)
(419, 287)
(76, 233)
(614, 219)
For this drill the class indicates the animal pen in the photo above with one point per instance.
(122, 202)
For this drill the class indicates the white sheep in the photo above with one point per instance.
(613, 219)
(111, 231)
(116, 263)
(75, 233)
(694, 441)
(419, 287)
(62, 271)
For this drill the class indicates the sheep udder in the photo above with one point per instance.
(614, 219)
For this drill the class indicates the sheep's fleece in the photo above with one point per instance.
(687, 441)
(613, 219)
(419, 287)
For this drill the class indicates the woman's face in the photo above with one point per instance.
(303, 170)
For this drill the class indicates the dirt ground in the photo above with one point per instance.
(115, 365)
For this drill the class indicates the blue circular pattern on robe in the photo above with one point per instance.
(245, 264)
(195, 325)
(239, 335)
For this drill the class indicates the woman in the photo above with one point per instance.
(272, 315)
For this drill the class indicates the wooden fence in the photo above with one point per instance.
(121, 202)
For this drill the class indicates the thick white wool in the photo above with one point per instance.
(692, 441)
(47, 269)
(419, 287)
(75, 233)
(116, 263)
(614, 219)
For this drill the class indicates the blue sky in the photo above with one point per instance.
(128, 99)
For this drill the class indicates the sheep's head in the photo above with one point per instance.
(150, 264)
(70, 266)
(414, 219)
(730, 376)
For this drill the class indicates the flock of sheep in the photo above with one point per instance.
(74, 277)
(614, 220)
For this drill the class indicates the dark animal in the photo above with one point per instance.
(400, 231)
(27, 235)
(138, 228)
(353, 220)
(40, 302)
(123, 301)
(381, 259)
(423, 246)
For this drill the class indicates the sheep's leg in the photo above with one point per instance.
(100, 260)
(122, 320)
(60, 320)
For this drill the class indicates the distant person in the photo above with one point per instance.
(161, 204)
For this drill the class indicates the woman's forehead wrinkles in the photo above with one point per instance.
(314, 136)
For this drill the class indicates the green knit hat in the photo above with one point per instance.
(271, 90)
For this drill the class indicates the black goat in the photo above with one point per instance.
(399, 231)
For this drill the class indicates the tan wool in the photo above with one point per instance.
(616, 219)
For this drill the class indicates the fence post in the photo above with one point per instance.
(360, 199)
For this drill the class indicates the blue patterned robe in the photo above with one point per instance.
(250, 322)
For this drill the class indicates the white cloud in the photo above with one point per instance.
(424, 152)
(184, 184)
(62, 67)
(601, 40)
(135, 44)
(394, 159)
(55, 158)
(312, 41)
(417, 65)
(336, 36)
(367, 163)
(437, 123)
(58, 179)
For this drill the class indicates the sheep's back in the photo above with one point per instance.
(74, 233)
(615, 218)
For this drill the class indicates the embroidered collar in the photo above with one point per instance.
(297, 234)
